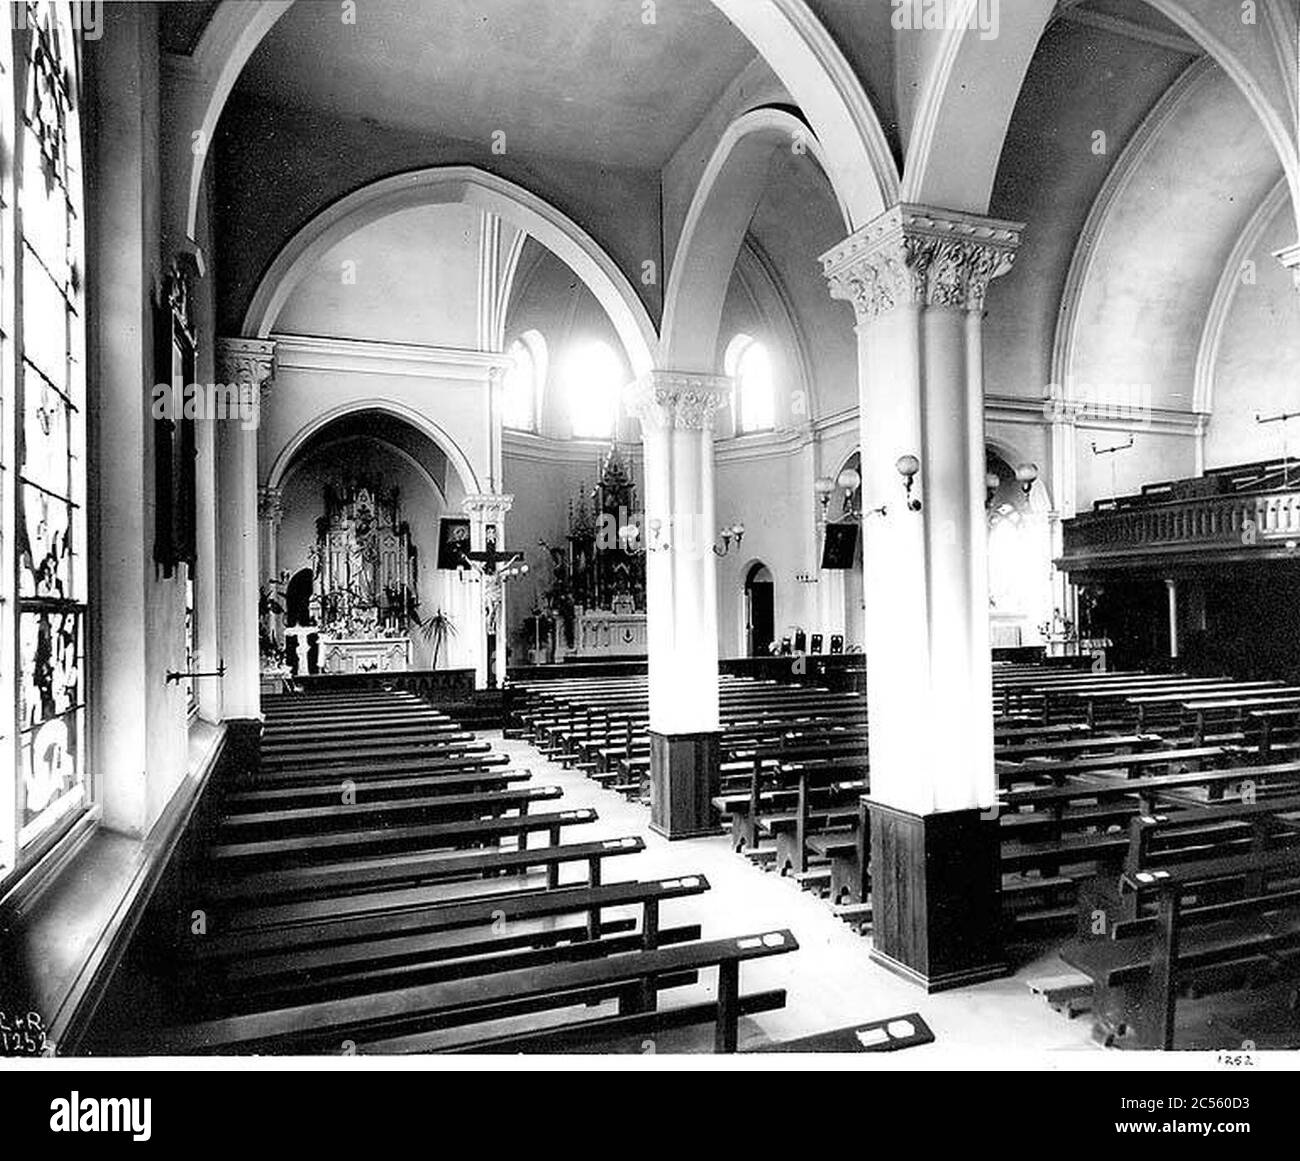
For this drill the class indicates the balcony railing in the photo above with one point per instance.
(1211, 526)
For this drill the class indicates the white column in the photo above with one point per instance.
(487, 609)
(677, 412)
(248, 364)
(917, 278)
(270, 513)
(1064, 415)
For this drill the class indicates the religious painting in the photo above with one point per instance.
(841, 546)
(453, 542)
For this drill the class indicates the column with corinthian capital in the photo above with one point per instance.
(245, 366)
(677, 412)
(917, 279)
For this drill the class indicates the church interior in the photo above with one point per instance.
(649, 526)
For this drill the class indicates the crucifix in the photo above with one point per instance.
(487, 561)
(495, 568)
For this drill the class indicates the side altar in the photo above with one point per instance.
(366, 569)
(597, 600)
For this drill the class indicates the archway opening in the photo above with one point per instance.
(760, 610)
(1019, 560)
(364, 507)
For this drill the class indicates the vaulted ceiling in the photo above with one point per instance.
(583, 79)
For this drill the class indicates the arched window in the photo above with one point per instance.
(44, 588)
(525, 379)
(749, 363)
(594, 377)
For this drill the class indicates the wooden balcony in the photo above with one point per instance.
(1136, 532)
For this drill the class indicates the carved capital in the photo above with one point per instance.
(917, 256)
(248, 363)
(678, 400)
(270, 505)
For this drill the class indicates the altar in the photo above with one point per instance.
(354, 610)
(602, 635)
(365, 654)
(597, 598)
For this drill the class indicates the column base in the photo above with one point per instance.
(685, 775)
(937, 909)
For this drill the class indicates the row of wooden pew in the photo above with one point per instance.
(381, 881)
(1084, 762)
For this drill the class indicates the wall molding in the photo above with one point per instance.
(374, 357)
(838, 422)
(546, 449)
(762, 445)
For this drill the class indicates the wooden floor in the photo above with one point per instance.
(831, 981)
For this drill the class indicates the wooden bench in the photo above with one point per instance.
(299, 850)
(1136, 973)
(413, 868)
(398, 1020)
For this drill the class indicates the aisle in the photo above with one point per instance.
(831, 982)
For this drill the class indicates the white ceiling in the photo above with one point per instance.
(581, 79)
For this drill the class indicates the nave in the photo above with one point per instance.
(384, 881)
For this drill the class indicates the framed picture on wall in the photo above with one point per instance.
(175, 440)
(453, 541)
(841, 546)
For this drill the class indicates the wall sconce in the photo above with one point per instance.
(849, 481)
(908, 466)
(736, 532)
(824, 486)
(1026, 474)
(629, 534)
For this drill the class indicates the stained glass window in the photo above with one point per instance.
(8, 507)
(49, 423)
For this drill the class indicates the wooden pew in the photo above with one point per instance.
(396, 1020)
(370, 874)
(1137, 973)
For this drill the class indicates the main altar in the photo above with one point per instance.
(367, 571)
(596, 602)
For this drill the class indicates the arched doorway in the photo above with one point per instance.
(760, 610)
(1020, 564)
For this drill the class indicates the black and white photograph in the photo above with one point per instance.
(729, 535)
